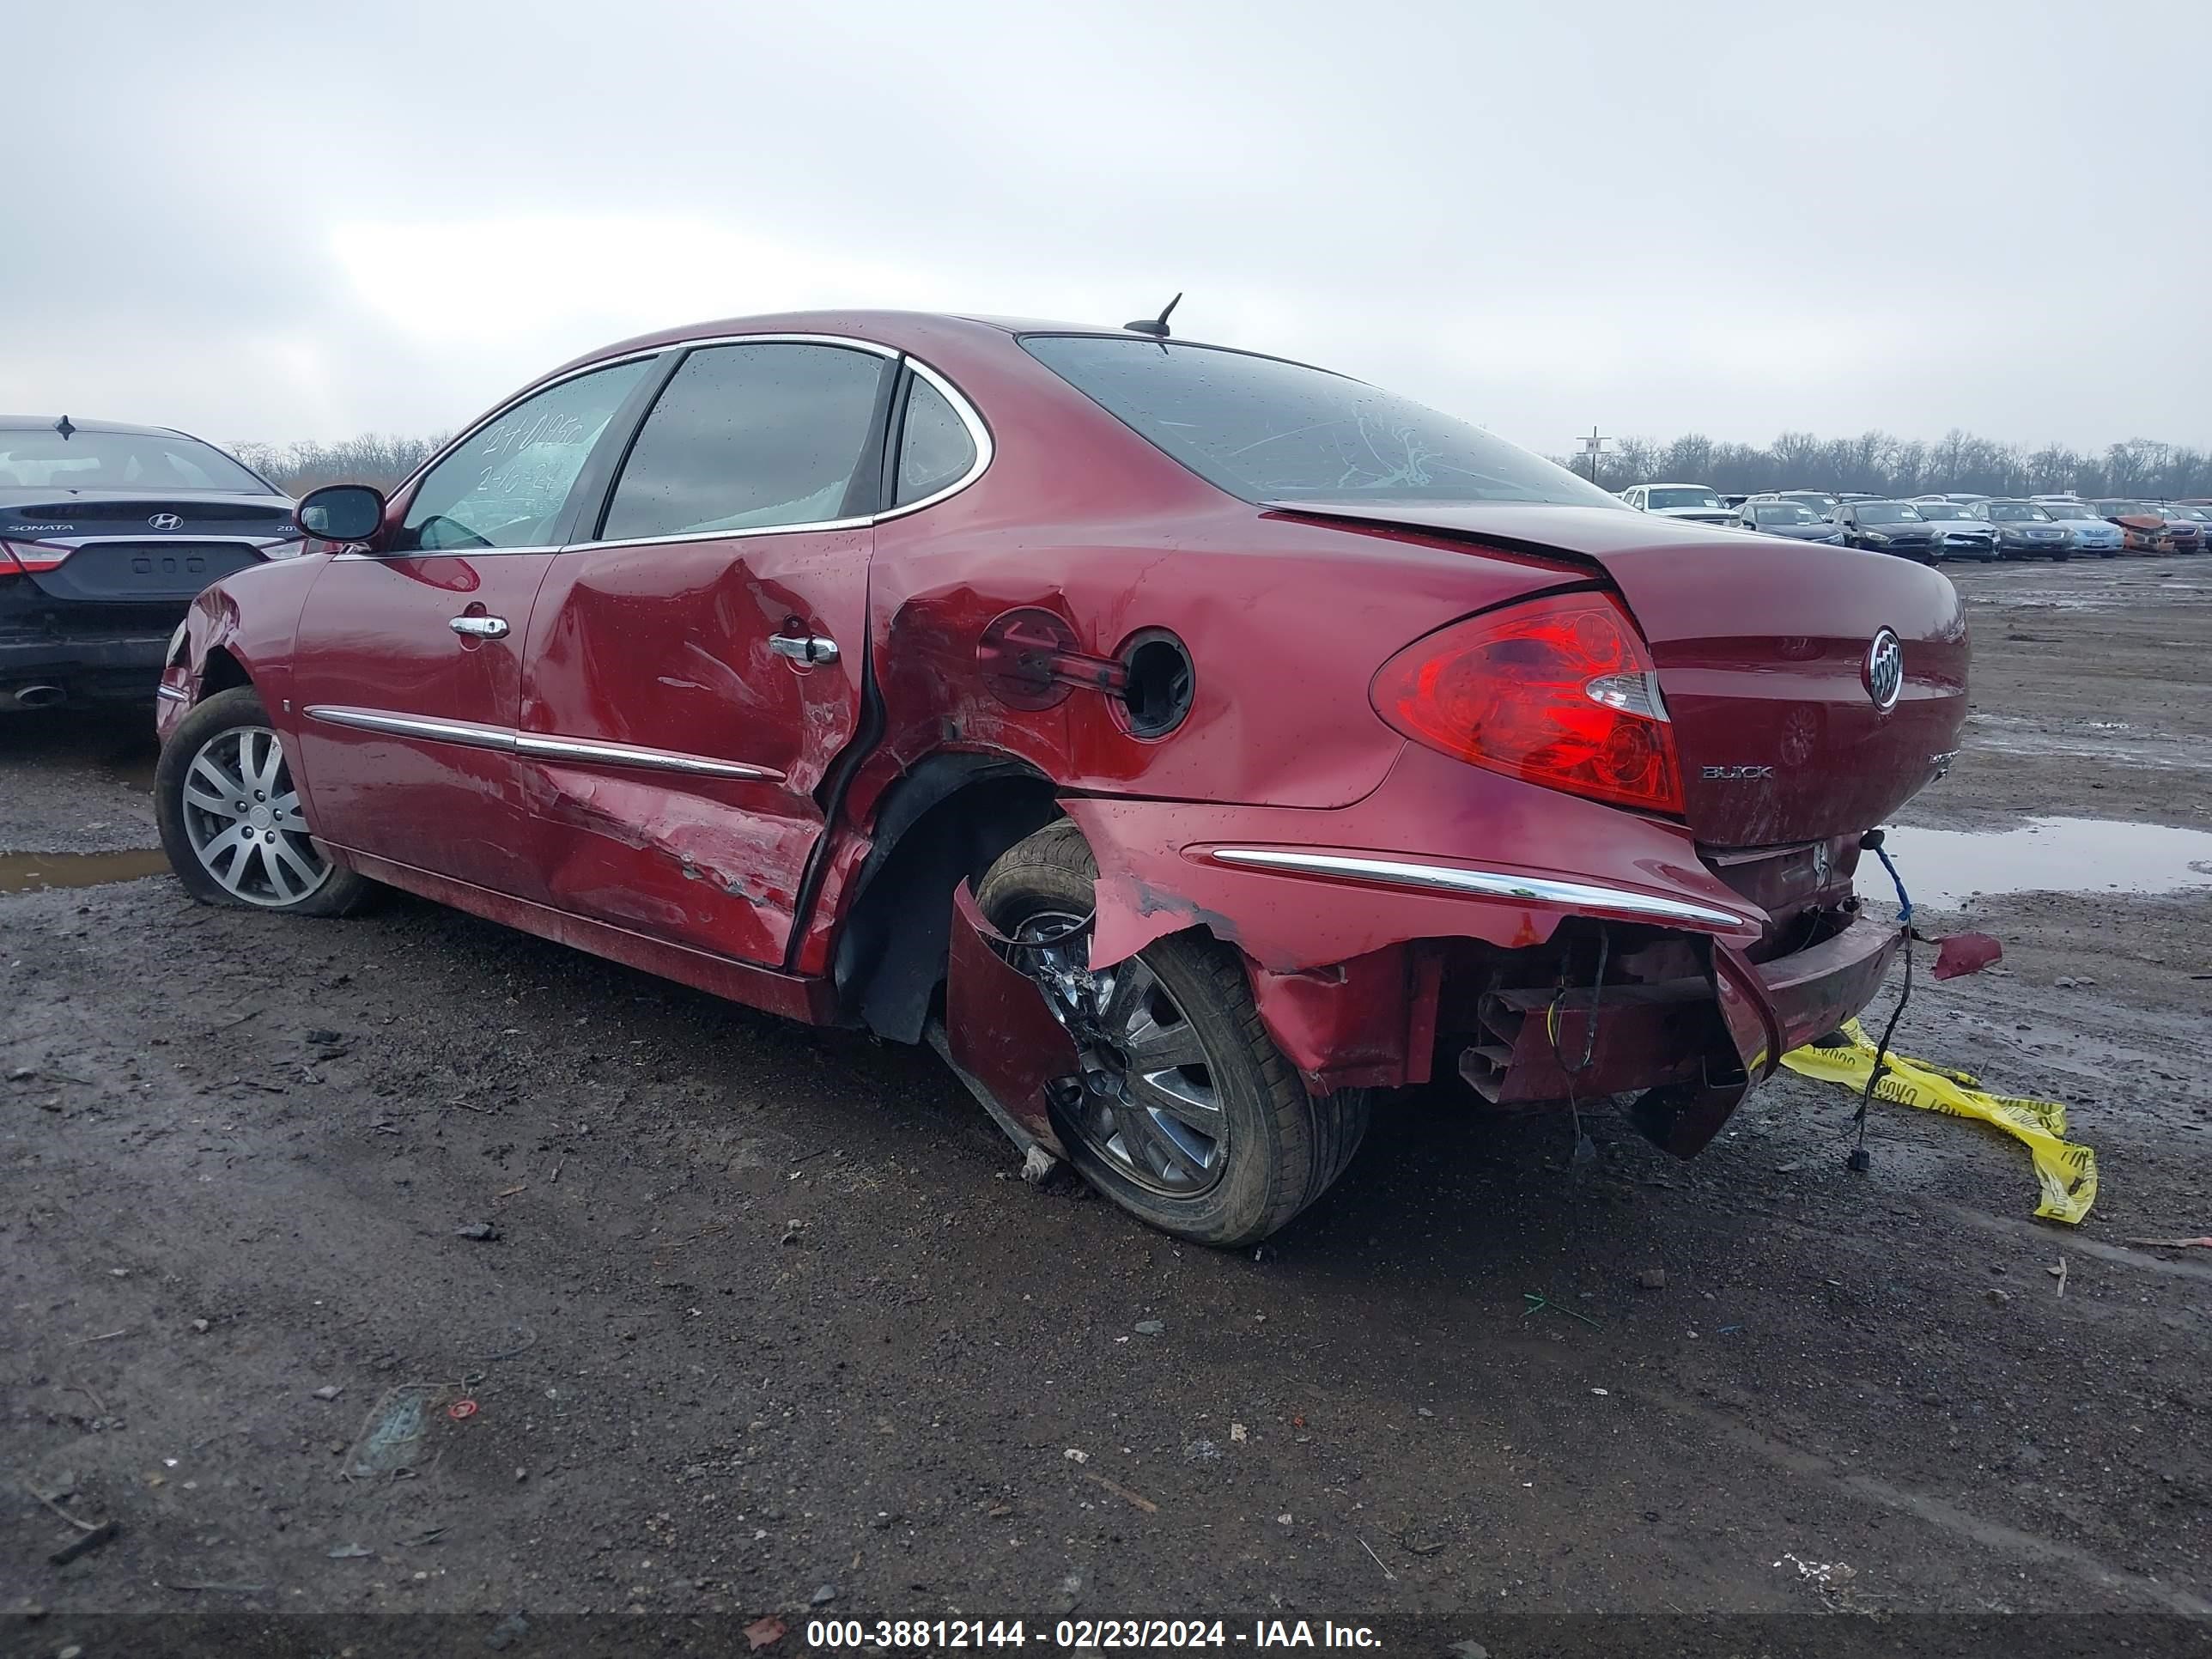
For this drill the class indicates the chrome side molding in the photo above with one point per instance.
(654, 760)
(581, 750)
(411, 725)
(1484, 884)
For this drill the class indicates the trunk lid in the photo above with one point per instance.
(1765, 656)
(139, 547)
(142, 572)
(58, 513)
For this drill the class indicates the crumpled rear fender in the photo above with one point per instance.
(1440, 850)
(1333, 909)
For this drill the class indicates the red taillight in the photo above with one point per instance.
(30, 555)
(1560, 691)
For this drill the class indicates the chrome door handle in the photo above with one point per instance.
(482, 628)
(801, 648)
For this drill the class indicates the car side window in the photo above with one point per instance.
(750, 437)
(935, 446)
(507, 483)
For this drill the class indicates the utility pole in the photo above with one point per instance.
(1593, 446)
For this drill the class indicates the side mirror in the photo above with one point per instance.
(342, 512)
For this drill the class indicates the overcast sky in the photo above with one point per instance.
(260, 222)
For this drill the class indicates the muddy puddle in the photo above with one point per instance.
(33, 872)
(1943, 867)
(2112, 742)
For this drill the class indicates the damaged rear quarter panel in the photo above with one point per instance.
(1155, 879)
(1285, 621)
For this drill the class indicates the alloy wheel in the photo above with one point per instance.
(1146, 1101)
(243, 818)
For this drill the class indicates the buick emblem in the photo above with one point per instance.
(1884, 670)
(166, 522)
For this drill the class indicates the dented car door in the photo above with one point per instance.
(406, 669)
(695, 668)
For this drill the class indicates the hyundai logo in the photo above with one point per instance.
(166, 522)
(1884, 669)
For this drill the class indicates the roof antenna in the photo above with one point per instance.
(67, 431)
(1155, 326)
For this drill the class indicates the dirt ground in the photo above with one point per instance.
(769, 1325)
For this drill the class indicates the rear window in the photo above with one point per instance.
(1269, 430)
(44, 459)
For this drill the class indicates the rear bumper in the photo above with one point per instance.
(119, 667)
(1717, 1034)
(1793, 999)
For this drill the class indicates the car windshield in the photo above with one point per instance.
(1784, 513)
(1887, 513)
(2122, 509)
(1269, 430)
(1819, 504)
(2018, 511)
(1943, 510)
(2066, 509)
(43, 458)
(1658, 498)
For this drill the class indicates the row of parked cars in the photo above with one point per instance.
(1933, 528)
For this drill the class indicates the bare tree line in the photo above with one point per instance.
(370, 458)
(1889, 466)
(1795, 460)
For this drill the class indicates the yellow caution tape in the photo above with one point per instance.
(2066, 1171)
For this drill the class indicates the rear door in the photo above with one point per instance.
(407, 666)
(696, 665)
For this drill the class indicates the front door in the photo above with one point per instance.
(695, 670)
(407, 669)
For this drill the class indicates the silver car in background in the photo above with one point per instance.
(2092, 534)
(2025, 531)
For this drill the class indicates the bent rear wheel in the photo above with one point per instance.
(1187, 1114)
(231, 819)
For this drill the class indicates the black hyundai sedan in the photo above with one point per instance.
(1890, 527)
(107, 533)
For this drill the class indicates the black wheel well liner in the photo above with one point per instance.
(947, 819)
(221, 671)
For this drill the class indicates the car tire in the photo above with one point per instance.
(1281, 1148)
(243, 846)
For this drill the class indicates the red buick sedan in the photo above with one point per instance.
(1187, 743)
